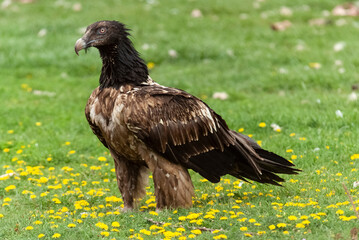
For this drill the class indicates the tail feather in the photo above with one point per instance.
(267, 162)
(243, 159)
(276, 163)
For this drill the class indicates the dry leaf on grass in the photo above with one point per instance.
(196, 13)
(281, 26)
(285, 11)
(319, 22)
(172, 53)
(339, 46)
(6, 175)
(353, 97)
(346, 9)
(339, 113)
(220, 95)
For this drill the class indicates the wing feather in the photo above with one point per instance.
(176, 124)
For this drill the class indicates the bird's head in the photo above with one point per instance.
(101, 34)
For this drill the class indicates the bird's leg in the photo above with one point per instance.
(132, 179)
(173, 185)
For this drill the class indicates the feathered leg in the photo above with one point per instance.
(173, 186)
(172, 182)
(131, 180)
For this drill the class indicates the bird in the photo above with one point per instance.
(150, 128)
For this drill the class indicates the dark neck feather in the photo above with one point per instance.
(121, 64)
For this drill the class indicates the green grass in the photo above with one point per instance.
(258, 91)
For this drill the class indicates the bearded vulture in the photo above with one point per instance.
(147, 126)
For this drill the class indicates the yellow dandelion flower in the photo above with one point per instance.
(300, 225)
(56, 200)
(95, 168)
(315, 65)
(219, 188)
(241, 130)
(281, 225)
(306, 222)
(43, 194)
(196, 231)
(221, 236)
(71, 225)
(271, 227)
(292, 218)
(262, 124)
(11, 187)
(192, 216)
(150, 65)
(106, 234)
(243, 229)
(340, 212)
(102, 225)
(37, 222)
(167, 224)
(102, 159)
(115, 224)
(209, 216)
(153, 213)
(28, 228)
(285, 232)
(64, 209)
(41, 235)
(38, 124)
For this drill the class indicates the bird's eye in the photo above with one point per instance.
(101, 30)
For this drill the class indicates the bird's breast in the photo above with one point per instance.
(106, 109)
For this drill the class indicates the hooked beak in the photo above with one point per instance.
(79, 45)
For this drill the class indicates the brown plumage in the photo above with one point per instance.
(147, 126)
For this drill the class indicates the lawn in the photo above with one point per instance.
(58, 181)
